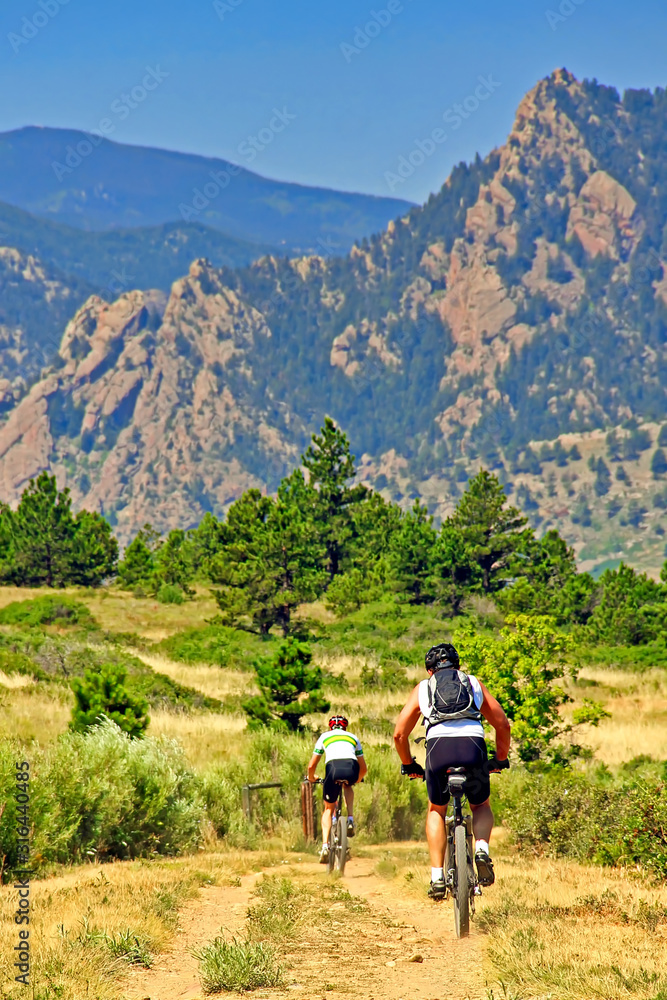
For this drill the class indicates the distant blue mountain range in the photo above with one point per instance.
(91, 183)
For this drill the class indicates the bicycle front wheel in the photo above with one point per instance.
(342, 845)
(461, 887)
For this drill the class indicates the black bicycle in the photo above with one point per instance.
(460, 876)
(338, 833)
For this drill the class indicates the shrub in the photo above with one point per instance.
(47, 611)
(238, 965)
(590, 815)
(102, 794)
(522, 670)
(170, 593)
(386, 676)
(102, 693)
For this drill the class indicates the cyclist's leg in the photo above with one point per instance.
(348, 792)
(330, 793)
(327, 816)
(482, 820)
(435, 834)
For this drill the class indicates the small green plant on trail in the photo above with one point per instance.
(238, 965)
(522, 669)
(280, 911)
(102, 693)
(282, 681)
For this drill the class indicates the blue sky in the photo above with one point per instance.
(355, 102)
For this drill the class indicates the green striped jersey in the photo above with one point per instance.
(337, 744)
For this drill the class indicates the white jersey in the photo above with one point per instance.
(337, 744)
(457, 727)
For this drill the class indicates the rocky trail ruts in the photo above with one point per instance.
(400, 947)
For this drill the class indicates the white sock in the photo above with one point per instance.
(437, 874)
(482, 845)
(350, 818)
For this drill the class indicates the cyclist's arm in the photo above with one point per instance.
(363, 767)
(494, 715)
(405, 723)
(314, 761)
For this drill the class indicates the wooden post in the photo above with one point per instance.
(245, 796)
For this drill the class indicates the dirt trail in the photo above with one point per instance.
(366, 956)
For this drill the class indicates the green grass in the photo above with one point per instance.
(238, 965)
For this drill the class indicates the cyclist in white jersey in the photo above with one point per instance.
(453, 704)
(344, 757)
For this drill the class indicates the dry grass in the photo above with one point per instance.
(80, 923)
(216, 682)
(573, 933)
(118, 611)
(638, 707)
(35, 712)
(208, 738)
(14, 681)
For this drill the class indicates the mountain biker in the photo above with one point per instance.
(453, 704)
(344, 757)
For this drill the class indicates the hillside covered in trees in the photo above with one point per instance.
(517, 322)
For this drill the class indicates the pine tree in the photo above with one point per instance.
(271, 559)
(42, 544)
(173, 562)
(412, 557)
(138, 565)
(490, 530)
(282, 682)
(102, 692)
(658, 463)
(94, 554)
(331, 469)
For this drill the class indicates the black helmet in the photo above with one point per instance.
(444, 655)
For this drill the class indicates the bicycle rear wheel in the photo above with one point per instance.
(333, 843)
(342, 845)
(461, 886)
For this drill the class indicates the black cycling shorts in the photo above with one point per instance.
(443, 752)
(339, 770)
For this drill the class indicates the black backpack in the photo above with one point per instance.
(450, 697)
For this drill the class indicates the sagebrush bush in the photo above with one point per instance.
(590, 815)
(47, 610)
(101, 794)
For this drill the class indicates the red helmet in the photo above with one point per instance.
(338, 722)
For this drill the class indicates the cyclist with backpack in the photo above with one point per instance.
(453, 704)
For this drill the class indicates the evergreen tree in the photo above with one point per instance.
(412, 557)
(658, 463)
(457, 569)
(94, 553)
(271, 559)
(173, 562)
(548, 582)
(138, 565)
(602, 483)
(102, 692)
(491, 531)
(331, 469)
(282, 682)
(42, 544)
